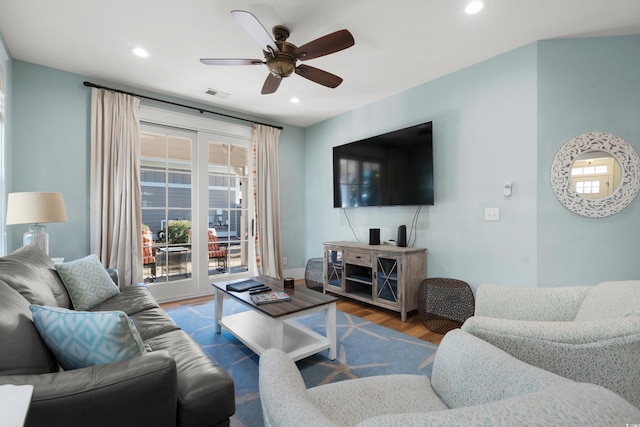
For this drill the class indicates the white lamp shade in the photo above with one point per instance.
(35, 208)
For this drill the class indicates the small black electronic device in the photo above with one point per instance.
(243, 286)
(259, 290)
(402, 236)
(374, 236)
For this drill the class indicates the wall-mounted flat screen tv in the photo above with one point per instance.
(392, 169)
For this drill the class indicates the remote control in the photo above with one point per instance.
(260, 290)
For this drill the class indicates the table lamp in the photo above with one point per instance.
(35, 208)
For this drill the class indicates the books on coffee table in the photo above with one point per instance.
(267, 297)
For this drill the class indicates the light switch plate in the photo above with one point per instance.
(492, 214)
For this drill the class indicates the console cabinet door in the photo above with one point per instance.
(333, 269)
(388, 281)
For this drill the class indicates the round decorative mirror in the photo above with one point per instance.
(596, 174)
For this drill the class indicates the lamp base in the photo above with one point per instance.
(37, 235)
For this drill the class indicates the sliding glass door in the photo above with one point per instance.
(196, 206)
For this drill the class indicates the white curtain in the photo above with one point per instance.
(267, 201)
(115, 223)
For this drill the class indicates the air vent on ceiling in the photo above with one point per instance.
(218, 93)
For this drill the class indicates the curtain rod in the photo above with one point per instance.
(202, 110)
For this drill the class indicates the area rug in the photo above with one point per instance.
(364, 349)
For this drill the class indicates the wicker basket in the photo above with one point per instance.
(444, 304)
(313, 274)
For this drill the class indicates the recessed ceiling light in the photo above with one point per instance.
(295, 100)
(474, 6)
(138, 51)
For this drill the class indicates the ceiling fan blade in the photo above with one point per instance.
(318, 76)
(231, 61)
(255, 29)
(325, 45)
(271, 84)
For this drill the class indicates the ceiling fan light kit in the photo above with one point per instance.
(281, 56)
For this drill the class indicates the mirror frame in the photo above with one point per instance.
(619, 149)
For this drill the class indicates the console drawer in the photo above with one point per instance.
(357, 257)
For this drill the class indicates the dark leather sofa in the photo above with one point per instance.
(175, 383)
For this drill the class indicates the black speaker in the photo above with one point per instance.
(402, 236)
(374, 236)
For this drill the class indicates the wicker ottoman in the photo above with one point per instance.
(313, 274)
(444, 304)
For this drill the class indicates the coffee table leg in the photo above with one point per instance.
(219, 298)
(277, 335)
(330, 325)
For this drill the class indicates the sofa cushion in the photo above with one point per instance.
(30, 271)
(87, 281)
(81, 338)
(153, 322)
(131, 299)
(609, 300)
(23, 352)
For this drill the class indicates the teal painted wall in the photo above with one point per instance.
(484, 122)
(503, 119)
(51, 152)
(586, 85)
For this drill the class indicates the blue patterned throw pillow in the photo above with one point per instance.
(87, 282)
(81, 338)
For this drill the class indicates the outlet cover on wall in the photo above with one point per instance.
(284, 260)
(492, 214)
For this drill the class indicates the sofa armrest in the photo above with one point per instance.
(134, 392)
(283, 394)
(510, 302)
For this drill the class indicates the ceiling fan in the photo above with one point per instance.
(280, 56)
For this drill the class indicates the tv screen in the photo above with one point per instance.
(392, 169)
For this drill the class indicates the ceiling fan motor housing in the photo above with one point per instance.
(282, 63)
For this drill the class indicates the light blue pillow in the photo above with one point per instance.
(87, 282)
(82, 338)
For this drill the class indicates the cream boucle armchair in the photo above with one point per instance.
(472, 384)
(588, 333)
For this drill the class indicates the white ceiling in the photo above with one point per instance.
(399, 44)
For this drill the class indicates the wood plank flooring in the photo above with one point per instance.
(413, 326)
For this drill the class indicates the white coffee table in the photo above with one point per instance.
(14, 404)
(275, 325)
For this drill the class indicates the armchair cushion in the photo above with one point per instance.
(79, 338)
(215, 251)
(351, 402)
(582, 405)
(611, 299)
(87, 281)
(148, 255)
